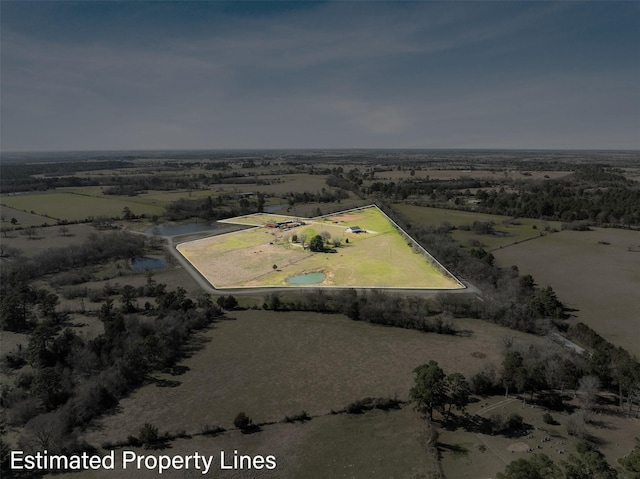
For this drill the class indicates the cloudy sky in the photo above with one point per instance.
(196, 75)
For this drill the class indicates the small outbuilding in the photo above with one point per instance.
(355, 229)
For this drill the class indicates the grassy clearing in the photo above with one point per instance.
(50, 237)
(24, 219)
(272, 364)
(444, 174)
(600, 280)
(376, 445)
(73, 207)
(489, 454)
(507, 234)
(380, 257)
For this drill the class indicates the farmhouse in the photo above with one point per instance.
(355, 229)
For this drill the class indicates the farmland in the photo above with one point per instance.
(506, 230)
(378, 257)
(311, 362)
(275, 351)
(73, 207)
(597, 273)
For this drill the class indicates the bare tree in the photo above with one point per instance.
(588, 391)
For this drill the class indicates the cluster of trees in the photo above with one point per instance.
(590, 463)
(550, 371)
(18, 298)
(435, 390)
(600, 195)
(322, 196)
(71, 380)
(15, 177)
(508, 299)
(373, 306)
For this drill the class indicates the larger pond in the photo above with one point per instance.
(309, 278)
(147, 264)
(167, 229)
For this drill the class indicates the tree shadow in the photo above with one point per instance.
(251, 429)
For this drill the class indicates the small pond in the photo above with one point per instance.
(167, 229)
(274, 208)
(309, 278)
(147, 264)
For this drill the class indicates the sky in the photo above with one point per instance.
(109, 75)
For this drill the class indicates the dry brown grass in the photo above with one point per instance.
(601, 281)
(272, 364)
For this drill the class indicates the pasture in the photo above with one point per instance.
(507, 230)
(75, 207)
(23, 218)
(355, 446)
(378, 257)
(597, 273)
(271, 365)
(472, 455)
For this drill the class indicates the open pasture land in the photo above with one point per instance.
(276, 185)
(273, 364)
(443, 174)
(507, 232)
(74, 207)
(596, 272)
(267, 257)
(159, 198)
(50, 237)
(375, 445)
(472, 455)
(24, 219)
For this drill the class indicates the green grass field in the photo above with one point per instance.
(379, 257)
(506, 234)
(76, 207)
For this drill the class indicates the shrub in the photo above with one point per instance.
(548, 419)
(242, 421)
(148, 435)
(209, 430)
(515, 421)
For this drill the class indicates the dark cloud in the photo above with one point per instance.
(356, 74)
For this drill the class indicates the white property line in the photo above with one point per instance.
(407, 235)
(252, 225)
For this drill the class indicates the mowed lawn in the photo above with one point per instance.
(271, 365)
(601, 281)
(379, 257)
(74, 207)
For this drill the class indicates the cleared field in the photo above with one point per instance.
(505, 234)
(376, 445)
(73, 207)
(270, 365)
(378, 257)
(600, 280)
(396, 175)
(23, 218)
(475, 455)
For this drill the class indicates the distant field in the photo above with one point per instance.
(405, 174)
(73, 207)
(23, 218)
(601, 280)
(379, 257)
(271, 364)
(506, 234)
